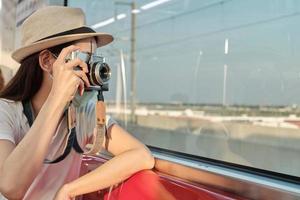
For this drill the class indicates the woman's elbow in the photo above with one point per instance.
(151, 162)
(148, 160)
(10, 191)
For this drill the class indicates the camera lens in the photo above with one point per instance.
(99, 73)
(105, 72)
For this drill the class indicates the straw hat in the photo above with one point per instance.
(54, 25)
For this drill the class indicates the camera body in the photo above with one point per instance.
(99, 71)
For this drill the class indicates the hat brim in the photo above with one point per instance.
(21, 53)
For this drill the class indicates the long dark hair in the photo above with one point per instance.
(28, 79)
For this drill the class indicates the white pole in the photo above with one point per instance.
(196, 75)
(123, 75)
(224, 85)
(226, 50)
(118, 90)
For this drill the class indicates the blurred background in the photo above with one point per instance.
(212, 78)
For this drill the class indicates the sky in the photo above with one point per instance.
(181, 50)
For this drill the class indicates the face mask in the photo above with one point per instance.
(84, 99)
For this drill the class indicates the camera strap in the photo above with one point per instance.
(72, 139)
(100, 131)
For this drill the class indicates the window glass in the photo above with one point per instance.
(218, 79)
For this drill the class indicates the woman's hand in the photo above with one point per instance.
(66, 80)
(62, 194)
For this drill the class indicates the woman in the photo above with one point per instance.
(49, 83)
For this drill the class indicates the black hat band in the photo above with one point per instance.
(71, 32)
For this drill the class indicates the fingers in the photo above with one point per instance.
(78, 72)
(81, 88)
(73, 63)
(77, 62)
(78, 87)
(66, 51)
(83, 76)
(63, 71)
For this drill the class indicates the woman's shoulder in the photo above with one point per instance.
(5, 101)
(13, 124)
(11, 110)
(10, 105)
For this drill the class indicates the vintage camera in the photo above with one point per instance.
(99, 71)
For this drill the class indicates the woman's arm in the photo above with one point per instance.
(20, 164)
(131, 156)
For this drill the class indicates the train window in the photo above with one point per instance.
(217, 79)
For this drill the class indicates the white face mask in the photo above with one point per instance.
(84, 99)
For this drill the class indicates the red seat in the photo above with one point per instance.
(144, 185)
(147, 185)
(150, 185)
